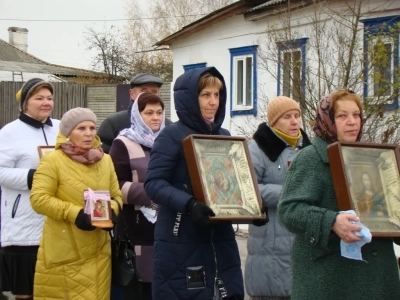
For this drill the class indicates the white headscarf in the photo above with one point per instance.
(139, 132)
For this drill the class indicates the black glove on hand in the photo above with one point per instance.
(199, 213)
(83, 222)
(114, 220)
(262, 222)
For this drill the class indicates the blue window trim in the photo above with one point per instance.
(373, 27)
(292, 45)
(194, 66)
(238, 52)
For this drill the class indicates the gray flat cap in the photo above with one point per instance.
(146, 78)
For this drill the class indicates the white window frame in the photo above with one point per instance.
(236, 105)
(291, 77)
(386, 40)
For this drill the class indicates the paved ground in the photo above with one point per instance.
(241, 238)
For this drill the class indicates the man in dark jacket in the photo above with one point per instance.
(112, 125)
(193, 257)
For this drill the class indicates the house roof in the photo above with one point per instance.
(261, 6)
(15, 60)
(209, 20)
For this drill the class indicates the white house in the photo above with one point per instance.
(269, 48)
(297, 48)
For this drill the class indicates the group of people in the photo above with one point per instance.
(51, 250)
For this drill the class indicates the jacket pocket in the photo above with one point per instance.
(58, 244)
(15, 206)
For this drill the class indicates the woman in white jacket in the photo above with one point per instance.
(21, 227)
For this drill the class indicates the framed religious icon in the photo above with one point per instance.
(223, 177)
(98, 207)
(43, 150)
(366, 179)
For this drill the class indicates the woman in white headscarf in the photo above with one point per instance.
(130, 153)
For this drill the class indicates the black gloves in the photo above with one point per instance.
(114, 220)
(199, 213)
(31, 172)
(83, 222)
(262, 222)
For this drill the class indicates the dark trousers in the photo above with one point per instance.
(138, 291)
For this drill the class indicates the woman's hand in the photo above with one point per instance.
(345, 229)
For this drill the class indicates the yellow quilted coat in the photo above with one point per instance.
(71, 263)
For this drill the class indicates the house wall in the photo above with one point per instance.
(212, 45)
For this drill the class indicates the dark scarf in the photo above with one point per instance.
(271, 144)
(83, 156)
(325, 126)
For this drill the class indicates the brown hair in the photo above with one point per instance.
(208, 79)
(148, 98)
(38, 88)
(345, 95)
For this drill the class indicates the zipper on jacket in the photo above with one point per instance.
(44, 134)
(15, 206)
(221, 291)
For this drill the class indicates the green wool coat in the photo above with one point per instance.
(308, 208)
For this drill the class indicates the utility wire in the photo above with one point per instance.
(103, 20)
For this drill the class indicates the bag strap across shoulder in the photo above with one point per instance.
(115, 233)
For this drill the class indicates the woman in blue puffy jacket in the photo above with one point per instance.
(193, 258)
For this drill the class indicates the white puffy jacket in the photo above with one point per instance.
(19, 141)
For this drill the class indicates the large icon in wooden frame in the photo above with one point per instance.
(366, 179)
(223, 177)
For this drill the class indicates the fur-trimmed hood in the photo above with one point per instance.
(271, 144)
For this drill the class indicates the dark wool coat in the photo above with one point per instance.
(308, 208)
(168, 184)
(130, 160)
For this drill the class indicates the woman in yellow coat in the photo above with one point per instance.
(74, 258)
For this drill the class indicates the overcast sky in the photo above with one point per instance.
(60, 42)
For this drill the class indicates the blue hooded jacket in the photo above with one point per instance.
(168, 184)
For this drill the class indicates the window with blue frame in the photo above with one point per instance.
(381, 60)
(291, 68)
(194, 66)
(243, 80)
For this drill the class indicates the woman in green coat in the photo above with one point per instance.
(309, 209)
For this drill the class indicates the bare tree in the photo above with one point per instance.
(111, 52)
(129, 51)
(335, 59)
(163, 18)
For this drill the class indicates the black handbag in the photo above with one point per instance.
(123, 255)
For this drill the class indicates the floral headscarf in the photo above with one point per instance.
(139, 132)
(325, 126)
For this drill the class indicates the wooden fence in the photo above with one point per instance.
(66, 96)
(101, 98)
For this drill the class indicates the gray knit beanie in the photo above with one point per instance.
(26, 91)
(75, 116)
